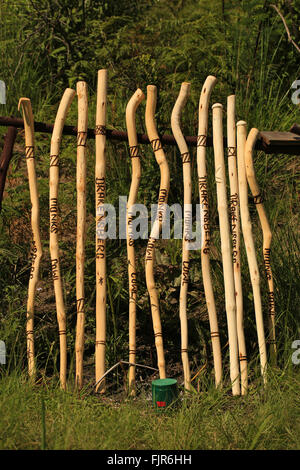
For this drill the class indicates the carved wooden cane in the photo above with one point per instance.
(162, 200)
(204, 202)
(187, 188)
(36, 252)
(235, 235)
(54, 249)
(226, 246)
(100, 190)
(131, 108)
(81, 89)
(249, 243)
(267, 235)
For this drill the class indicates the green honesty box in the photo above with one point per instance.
(164, 392)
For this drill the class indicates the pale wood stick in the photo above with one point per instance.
(162, 200)
(187, 199)
(81, 89)
(226, 246)
(100, 190)
(235, 235)
(36, 251)
(54, 249)
(249, 243)
(204, 202)
(131, 108)
(267, 235)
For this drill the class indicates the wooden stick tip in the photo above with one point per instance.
(70, 91)
(210, 81)
(81, 84)
(254, 131)
(140, 94)
(151, 88)
(241, 123)
(217, 105)
(185, 87)
(23, 101)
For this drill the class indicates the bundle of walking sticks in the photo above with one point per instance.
(234, 220)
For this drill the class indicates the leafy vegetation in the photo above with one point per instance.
(46, 46)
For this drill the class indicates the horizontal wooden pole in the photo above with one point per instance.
(295, 129)
(110, 133)
(269, 142)
(9, 140)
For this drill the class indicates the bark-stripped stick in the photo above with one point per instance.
(131, 108)
(162, 201)
(235, 234)
(187, 200)
(204, 203)
(249, 242)
(267, 235)
(100, 193)
(36, 251)
(54, 250)
(81, 226)
(226, 246)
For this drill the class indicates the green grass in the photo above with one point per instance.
(44, 417)
(162, 43)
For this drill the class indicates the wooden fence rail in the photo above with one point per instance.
(269, 142)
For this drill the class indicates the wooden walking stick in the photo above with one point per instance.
(100, 190)
(204, 204)
(235, 235)
(249, 243)
(226, 246)
(187, 189)
(267, 234)
(162, 201)
(81, 89)
(36, 253)
(131, 108)
(54, 249)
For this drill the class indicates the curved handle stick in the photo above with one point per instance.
(267, 234)
(235, 235)
(54, 250)
(249, 242)
(226, 246)
(36, 252)
(81, 90)
(187, 191)
(204, 204)
(162, 201)
(100, 193)
(131, 108)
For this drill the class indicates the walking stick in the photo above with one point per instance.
(81, 89)
(54, 250)
(267, 234)
(36, 252)
(226, 246)
(131, 108)
(249, 243)
(162, 201)
(235, 235)
(204, 202)
(187, 188)
(100, 190)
